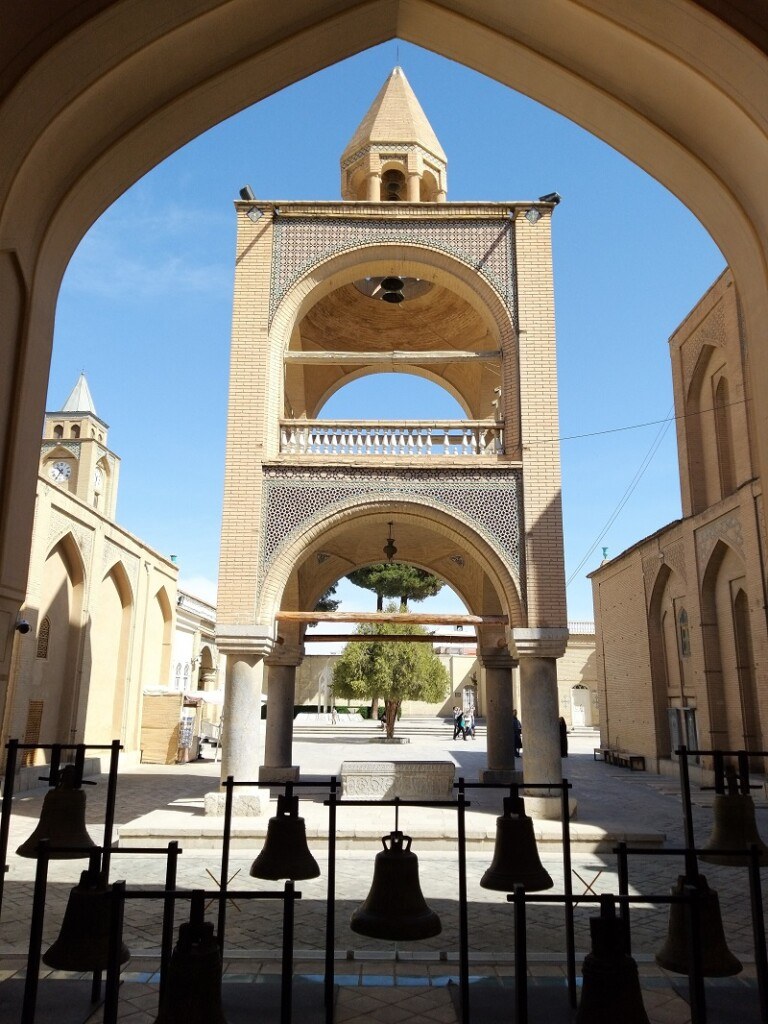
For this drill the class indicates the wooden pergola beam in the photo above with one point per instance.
(418, 618)
(396, 356)
(417, 638)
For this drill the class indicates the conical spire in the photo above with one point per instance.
(395, 116)
(80, 399)
(394, 154)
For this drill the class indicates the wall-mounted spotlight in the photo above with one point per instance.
(248, 195)
(551, 197)
(22, 626)
(533, 216)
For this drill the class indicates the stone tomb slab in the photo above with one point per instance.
(409, 780)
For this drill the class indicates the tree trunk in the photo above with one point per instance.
(374, 709)
(379, 600)
(391, 707)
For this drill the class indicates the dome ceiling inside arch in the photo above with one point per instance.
(433, 320)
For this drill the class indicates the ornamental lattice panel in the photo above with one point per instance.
(300, 243)
(296, 499)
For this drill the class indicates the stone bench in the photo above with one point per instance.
(620, 758)
(410, 780)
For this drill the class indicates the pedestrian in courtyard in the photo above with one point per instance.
(518, 730)
(470, 723)
(458, 722)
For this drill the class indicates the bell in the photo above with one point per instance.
(515, 856)
(717, 961)
(734, 828)
(392, 284)
(395, 908)
(83, 942)
(193, 984)
(62, 821)
(611, 986)
(285, 853)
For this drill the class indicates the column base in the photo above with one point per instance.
(501, 776)
(547, 807)
(244, 805)
(279, 773)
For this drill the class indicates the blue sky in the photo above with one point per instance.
(146, 301)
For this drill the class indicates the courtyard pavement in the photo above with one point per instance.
(383, 981)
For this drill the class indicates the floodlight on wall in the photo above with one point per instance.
(389, 548)
(551, 197)
(533, 215)
(248, 196)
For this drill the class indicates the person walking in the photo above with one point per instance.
(470, 723)
(456, 720)
(518, 731)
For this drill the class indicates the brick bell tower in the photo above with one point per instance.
(393, 278)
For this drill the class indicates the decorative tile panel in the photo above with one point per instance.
(297, 498)
(71, 446)
(485, 245)
(726, 528)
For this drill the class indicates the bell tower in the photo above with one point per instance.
(394, 156)
(74, 454)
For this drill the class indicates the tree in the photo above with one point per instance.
(327, 602)
(396, 579)
(394, 670)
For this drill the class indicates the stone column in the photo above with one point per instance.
(414, 187)
(278, 747)
(374, 187)
(242, 718)
(538, 650)
(498, 716)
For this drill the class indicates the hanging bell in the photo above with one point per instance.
(611, 986)
(62, 821)
(515, 856)
(83, 942)
(717, 961)
(395, 907)
(285, 853)
(734, 828)
(193, 985)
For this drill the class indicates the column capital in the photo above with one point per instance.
(289, 657)
(257, 641)
(492, 657)
(540, 641)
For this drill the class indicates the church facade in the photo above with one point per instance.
(681, 616)
(97, 623)
(392, 278)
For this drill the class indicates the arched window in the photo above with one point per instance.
(177, 681)
(74, 431)
(684, 633)
(723, 438)
(393, 186)
(43, 634)
(58, 430)
(186, 678)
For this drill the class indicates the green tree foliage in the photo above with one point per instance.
(396, 579)
(394, 671)
(327, 602)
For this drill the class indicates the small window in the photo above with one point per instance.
(58, 430)
(178, 676)
(186, 678)
(393, 186)
(74, 431)
(684, 633)
(42, 638)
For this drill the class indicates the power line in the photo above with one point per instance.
(627, 493)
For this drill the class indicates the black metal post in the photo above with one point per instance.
(719, 765)
(35, 934)
(286, 981)
(166, 946)
(330, 914)
(12, 746)
(743, 759)
(94, 865)
(112, 987)
(570, 940)
(685, 788)
(54, 768)
(109, 809)
(623, 875)
(463, 905)
(695, 976)
(758, 928)
(521, 958)
(222, 922)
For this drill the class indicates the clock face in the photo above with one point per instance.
(60, 472)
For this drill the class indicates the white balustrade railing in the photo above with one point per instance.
(411, 438)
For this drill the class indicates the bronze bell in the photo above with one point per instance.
(285, 853)
(611, 986)
(395, 908)
(83, 942)
(193, 986)
(717, 961)
(515, 856)
(734, 828)
(62, 820)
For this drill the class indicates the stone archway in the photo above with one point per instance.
(93, 99)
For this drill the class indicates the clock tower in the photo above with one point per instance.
(74, 454)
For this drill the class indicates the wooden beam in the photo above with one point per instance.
(396, 356)
(417, 638)
(420, 618)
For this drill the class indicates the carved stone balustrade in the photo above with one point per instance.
(415, 438)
